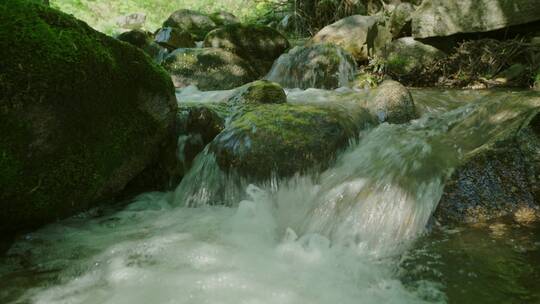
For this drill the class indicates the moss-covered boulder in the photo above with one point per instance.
(81, 115)
(501, 177)
(138, 38)
(259, 92)
(284, 139)
(196, 23)
(174, 38)
(260, 45)
(223, 18)
(407, 58)
(324, 66)
(208, 69)
(392, 102)
(143, 40)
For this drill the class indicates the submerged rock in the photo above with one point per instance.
(406, 57)
(81, 115)
(174, 38)
(260, 45)
(324, 66)
(447, 17)
(284, 139)
(355, 34)
(392, 102)
(259, 92)
(208, 69)
(500, 178)
(196, 23)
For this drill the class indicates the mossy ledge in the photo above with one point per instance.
(81, 114)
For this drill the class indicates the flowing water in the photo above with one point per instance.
(356, 233)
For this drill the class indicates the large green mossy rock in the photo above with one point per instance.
(260, 45)
(284, 139)
(81, 115)
(196, 23)
(259, 92)
(447, 17)
(324, 66)
(208, 69)
(501, 177)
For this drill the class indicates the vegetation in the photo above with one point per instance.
(102, 14)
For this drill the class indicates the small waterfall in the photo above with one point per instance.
(322, 66)
(332, 238)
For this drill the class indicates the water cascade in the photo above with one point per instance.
(334, 237)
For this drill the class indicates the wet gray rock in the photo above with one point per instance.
(498, 179)
(324, 66)
(447, 17)
(197, 125)
(392, 102)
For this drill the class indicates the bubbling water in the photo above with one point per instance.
(333, 238)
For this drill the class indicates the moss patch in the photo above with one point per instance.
(285, 139)
(80, 112)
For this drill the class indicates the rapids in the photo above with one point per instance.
(346, 235)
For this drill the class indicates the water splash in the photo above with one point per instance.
(332, 238)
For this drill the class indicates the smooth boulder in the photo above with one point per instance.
(436, 18)
(260, 45)
(355, 34)
(392, 102)
(208, 69)
(324, 66)
(81, 116)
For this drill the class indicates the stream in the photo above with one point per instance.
(359, 232)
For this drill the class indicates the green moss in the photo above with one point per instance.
(285, 139)
(255, 43)
(70, 104)
(208, 69)
(260, 91)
